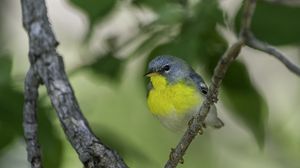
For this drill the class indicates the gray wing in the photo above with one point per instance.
(149, 87)
(199, 82)
(212, 118)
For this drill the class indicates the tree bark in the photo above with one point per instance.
(48, 65)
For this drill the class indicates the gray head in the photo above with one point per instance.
(173, 68)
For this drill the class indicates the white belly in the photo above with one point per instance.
(179, 122)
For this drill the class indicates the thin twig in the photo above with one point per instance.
(254, 43)
(264, 47)
(249, 8)
(30, 120)
(49, 66)
(291, 3)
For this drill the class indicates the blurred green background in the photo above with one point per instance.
(106, 46)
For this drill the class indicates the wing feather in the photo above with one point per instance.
(197, 79)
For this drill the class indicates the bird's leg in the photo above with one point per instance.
(181, 160)
(171, 154)
(191, 121)
(203, 125)
(200, 132)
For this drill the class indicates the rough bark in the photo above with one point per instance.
(30, 119)
(48, 65)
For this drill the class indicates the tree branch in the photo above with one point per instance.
(196, 123)
(246, 37)
(291, 3)
(49, 66)
(254, 43)
(30, 121)
(249, 8)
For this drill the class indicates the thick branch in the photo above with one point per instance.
(30, 121)
(49, 66)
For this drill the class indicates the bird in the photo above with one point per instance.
(175, 93)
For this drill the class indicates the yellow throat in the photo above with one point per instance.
(165, 99)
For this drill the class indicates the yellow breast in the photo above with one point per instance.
(165, 99)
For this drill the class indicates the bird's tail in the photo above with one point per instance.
(212, 118)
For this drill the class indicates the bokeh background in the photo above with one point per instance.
(106, 46)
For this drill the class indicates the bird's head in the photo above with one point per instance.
(172, 68)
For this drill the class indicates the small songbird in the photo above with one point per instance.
(176, 92)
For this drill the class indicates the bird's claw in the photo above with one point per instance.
(181, 160)
(171, 154)
(191, 121)
(200, 132)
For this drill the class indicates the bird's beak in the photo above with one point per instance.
(150, 73)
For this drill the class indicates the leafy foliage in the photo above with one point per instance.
(10, 115)
(5, 68)
(95, 10)
(106, 66)
(245, 101)
(111, 139)
(187, 32)
(275, 23)
(191, 43)
(153, 4)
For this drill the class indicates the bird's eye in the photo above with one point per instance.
(166, 68)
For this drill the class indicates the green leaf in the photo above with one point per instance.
(95, 9)
(275, 23)
(11, 99)
(127, 149)
(171, 14)
(245, 101)
(198, 39)
(51, 144)
(11, 104)
(153, 4)
(106, 66)
(7, 135)
(10, 115)
(11, 108)
(5, 69)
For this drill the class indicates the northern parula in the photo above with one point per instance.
(176, 92)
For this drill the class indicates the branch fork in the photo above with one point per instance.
(47, 67)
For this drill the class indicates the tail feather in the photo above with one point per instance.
(212, 118)
(218, 124)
